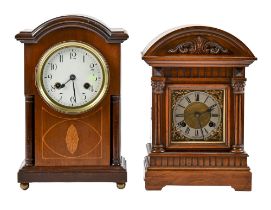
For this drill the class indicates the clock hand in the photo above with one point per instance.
(207, 110)
(63, 85)
(198, 116)
(201, 129)
(73, 91)
(72, 77)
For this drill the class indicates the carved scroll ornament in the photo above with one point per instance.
(199, 46)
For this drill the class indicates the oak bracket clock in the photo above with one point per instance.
(198, 80)
(72, 102)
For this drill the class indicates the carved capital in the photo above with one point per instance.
(158, 86)
(238, 86)
(199, 45)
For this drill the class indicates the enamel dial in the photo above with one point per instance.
(196, 115)
(72, 77)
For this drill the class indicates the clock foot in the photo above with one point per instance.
(121, 185)
(153, 187)
(242, 187)
(24, 186)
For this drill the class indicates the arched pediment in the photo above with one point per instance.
(73, 21)
(197, 46)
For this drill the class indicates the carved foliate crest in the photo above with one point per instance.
(199, 46)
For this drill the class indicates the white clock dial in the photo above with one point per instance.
(196, 115)
(73, 76)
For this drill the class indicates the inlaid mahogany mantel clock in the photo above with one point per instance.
(198, 80)
(72, 102)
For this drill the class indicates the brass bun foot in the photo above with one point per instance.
(24, 186)
(121, 185)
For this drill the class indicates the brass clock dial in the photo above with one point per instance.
(197, 116)
(72, 77)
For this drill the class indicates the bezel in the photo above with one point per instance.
(197, 144)
(66, 109)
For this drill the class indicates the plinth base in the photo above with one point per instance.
(157, 179)
(198, 169)
(118, 174)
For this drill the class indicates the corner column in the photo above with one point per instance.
(158, 85)
(29, 130)
(115, 130)
(238, 85)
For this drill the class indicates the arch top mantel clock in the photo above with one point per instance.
(72, 102)
(198, 80)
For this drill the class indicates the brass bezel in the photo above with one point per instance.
(60, 107)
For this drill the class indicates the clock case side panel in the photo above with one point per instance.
(225, 145)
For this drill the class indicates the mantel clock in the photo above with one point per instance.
(72, 102)
(198, 79)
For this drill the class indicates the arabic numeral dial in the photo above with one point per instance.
(72, 77)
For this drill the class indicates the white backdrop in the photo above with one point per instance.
(144, 20)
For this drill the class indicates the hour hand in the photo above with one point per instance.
(207, 110)
(72, 78)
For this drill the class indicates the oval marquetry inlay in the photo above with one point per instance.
(72, 139)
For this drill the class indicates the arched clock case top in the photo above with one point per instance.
(198, 80)
(64, 145)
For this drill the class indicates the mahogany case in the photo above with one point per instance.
(97, 157)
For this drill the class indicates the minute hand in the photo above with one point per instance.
(200, 127)
(74, 91)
